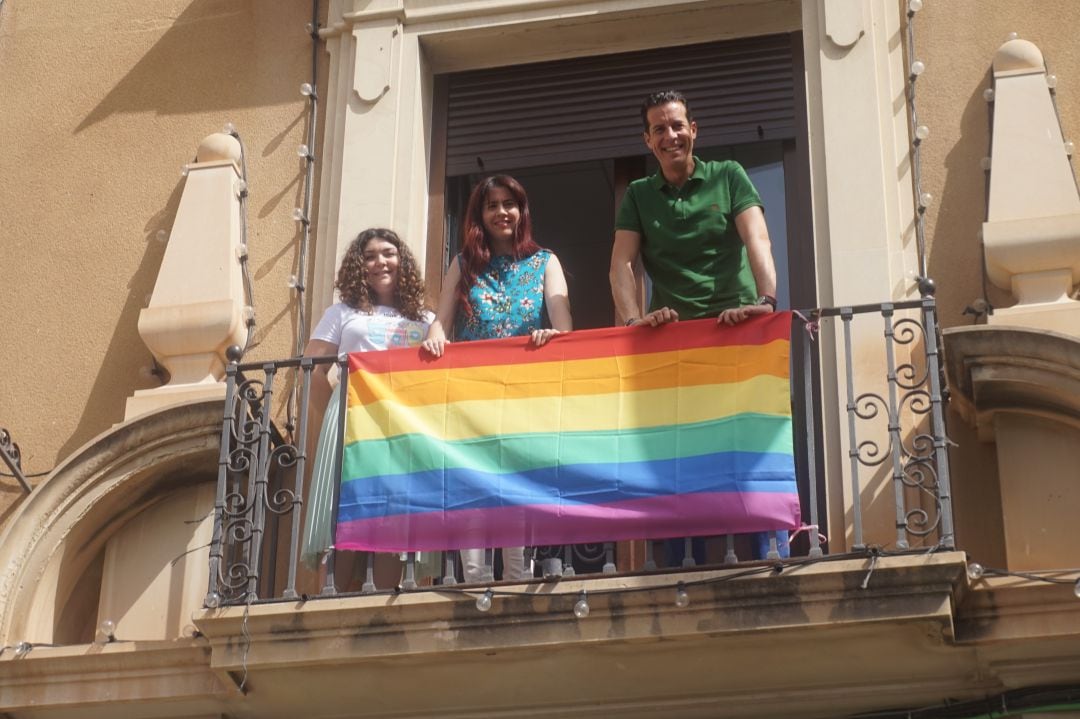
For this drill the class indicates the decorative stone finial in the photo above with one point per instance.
(218, 146)
(1018, 55)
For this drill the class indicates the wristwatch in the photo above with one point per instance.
(630, 321)
(767, 300)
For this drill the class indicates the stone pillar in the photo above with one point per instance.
(197, 308)
(1032, 232)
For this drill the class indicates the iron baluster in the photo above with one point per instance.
(937, 417)
(213, 595)
(306, 366)
(811, 460)
(895, 442)
(853, 449)
(339, 448)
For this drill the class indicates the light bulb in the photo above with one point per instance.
(1069, 147)
(985, 163)
(108, 630)
(249, 314)
(483, 602)
(975, 571)
(1012, 36)
(917, 68)
(682, 599)
(241, 188)
(581, 607)
(306, 89)
(925, 200)
(914, 6)
(229, 129)
(298, 214)
(1051, 81)
(309, 28)
(302, 151)
(241, 251)
(213, 600)
(922, 132)
(183, 172)
(292, 282)
(988, 94)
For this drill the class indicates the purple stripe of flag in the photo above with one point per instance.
(681, 515)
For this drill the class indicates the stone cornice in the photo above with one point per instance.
(1001, 368)
(817, 596)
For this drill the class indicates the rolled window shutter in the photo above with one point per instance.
(588, 108)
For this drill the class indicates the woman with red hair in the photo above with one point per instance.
(502, 284)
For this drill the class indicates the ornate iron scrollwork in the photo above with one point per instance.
(12, 457)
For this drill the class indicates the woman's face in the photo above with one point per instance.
(501, 214)
(381, 260)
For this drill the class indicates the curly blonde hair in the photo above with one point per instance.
(352, 276)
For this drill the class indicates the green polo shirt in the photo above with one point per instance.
(689, 243)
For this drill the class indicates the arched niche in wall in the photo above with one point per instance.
(116, 528)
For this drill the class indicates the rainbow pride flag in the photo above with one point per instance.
(601, 435)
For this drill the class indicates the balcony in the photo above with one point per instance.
(874, 608)
(886, 578)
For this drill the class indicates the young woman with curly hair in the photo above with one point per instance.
(381, 307)
(501, 285)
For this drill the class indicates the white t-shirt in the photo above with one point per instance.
(382, 329)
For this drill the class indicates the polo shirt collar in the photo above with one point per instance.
(658, 182)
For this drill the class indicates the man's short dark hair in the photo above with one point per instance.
(663, 98)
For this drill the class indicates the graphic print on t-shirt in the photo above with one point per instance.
(393, 332)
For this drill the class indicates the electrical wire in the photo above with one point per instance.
(304, 216)
(916, 143)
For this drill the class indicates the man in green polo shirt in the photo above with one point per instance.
(700, 232)
(698, 227)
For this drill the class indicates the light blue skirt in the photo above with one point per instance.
(319, 510)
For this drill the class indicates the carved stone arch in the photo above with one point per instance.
(54, 545)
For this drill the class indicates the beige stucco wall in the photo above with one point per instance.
(102, 107)
(103, 103)
(957, 40)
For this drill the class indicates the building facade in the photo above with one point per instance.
(157, 212)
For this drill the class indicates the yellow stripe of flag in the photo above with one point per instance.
(466, 419)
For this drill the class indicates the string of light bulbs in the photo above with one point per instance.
(919, 134)
(302, 214)
(242, 248)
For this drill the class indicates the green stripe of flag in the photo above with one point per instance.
(404, 454)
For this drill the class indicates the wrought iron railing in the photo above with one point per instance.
(892, 426)
(12, 458)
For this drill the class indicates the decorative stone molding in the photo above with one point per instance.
(62, 528)
(197, 308)
(1032, 232)
(1020, 388)
(844, 22)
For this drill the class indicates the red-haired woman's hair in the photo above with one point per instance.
(475, 245)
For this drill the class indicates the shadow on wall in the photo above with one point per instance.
(126, 353)
(962, 210)
(203, 62)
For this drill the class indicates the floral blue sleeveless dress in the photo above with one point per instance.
(507, 299)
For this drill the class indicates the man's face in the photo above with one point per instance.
(670, 135)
